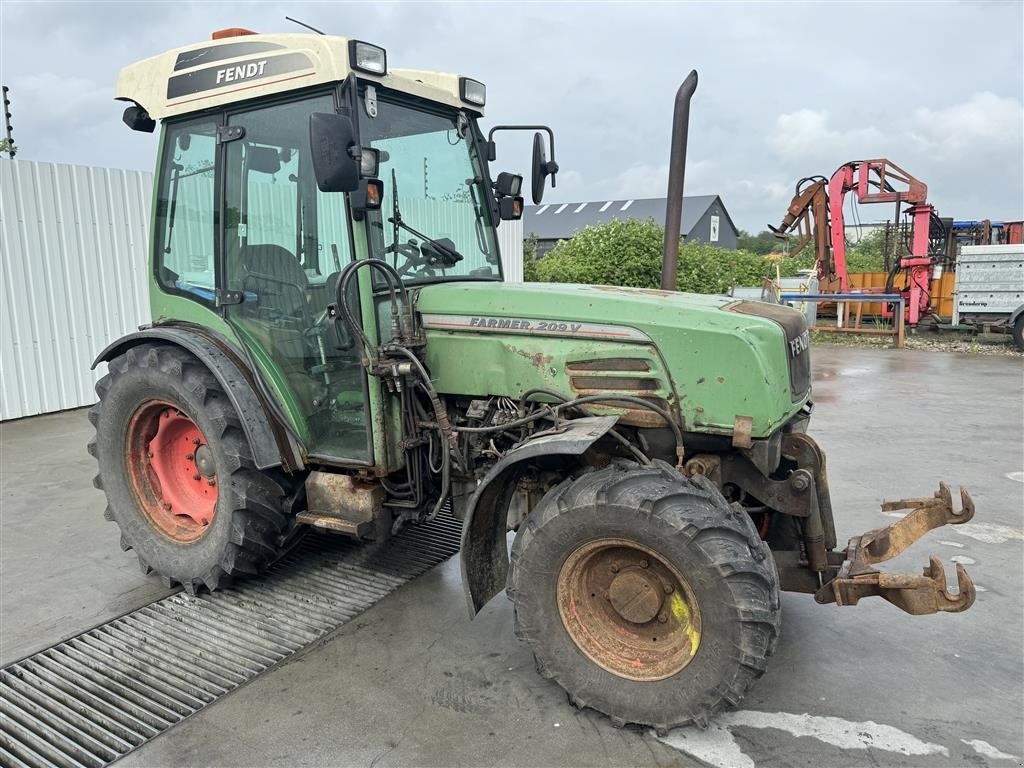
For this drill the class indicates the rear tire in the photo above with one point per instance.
(678, 526)
(242, 530)
(1018, 333)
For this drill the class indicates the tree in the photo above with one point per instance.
(762, 243)
(628, 253)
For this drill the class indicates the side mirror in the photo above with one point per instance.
(336, 157)
(138, 119)
(541, 169)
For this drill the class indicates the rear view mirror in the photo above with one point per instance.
(138, 119)
(332, 143)
(542, 168)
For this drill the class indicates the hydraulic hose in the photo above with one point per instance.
(614, 433)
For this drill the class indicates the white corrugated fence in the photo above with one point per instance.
(73, 254)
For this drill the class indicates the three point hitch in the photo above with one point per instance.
(918, 595)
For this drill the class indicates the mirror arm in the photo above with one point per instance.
(552, 166)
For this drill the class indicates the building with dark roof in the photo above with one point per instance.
(705, 219)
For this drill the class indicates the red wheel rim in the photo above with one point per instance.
(171, 470)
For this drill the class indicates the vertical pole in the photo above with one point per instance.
(901, 334)
(676, 174)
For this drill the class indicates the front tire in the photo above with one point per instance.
(178, 473)
(645, 595)
(1018, 333)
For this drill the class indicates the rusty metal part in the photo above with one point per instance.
(628, 609)
(358, 530)
(808, 215)
(805, 452)
(346, 504)
(742, 427)
(928, 513)
(918, 595)
(707, 464)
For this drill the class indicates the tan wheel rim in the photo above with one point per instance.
(628, 609)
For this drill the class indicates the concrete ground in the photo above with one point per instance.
(414, 682)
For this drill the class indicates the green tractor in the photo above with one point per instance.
(333, 347)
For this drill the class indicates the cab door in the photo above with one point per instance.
(283, 245)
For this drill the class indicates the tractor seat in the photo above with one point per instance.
(278, 280)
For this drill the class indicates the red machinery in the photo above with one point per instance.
(816, 212)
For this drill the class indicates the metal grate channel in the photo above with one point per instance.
(93, 698)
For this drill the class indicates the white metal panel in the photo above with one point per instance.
(510, 246)
(73, 259)
(989, 281)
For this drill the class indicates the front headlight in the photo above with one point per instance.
(472, 91)
(367, 58)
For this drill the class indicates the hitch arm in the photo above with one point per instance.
(917, 595)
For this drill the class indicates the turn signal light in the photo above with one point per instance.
(220, 34)
(374, 191)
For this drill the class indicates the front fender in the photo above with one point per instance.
(484, 552)
(269, 442)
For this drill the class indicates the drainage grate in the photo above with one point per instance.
(92, 699)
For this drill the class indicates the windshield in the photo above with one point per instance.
(430, 161)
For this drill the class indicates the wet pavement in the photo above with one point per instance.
(414, 682)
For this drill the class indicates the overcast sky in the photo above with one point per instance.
(786, 90)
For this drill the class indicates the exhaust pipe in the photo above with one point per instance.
(676, 173)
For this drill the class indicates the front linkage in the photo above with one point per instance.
(917, 595)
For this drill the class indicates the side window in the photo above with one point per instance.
(184, 209)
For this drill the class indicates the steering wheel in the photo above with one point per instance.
(415, 259)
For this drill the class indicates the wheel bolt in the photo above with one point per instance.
(190, 457)
(195, 441)
(644, 564)
(614, 568)
(197, 476)
(167, 506)
(149, 454)
(212, 481)
(668, 588)
(663, 617)
(606, 595)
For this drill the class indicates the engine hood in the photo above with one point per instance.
(712, 356)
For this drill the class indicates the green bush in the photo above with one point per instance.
(530, 260)
(628, 253)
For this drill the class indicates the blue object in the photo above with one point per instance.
(873, 297)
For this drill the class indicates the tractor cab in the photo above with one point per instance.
(283, 159)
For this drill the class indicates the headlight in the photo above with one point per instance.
(367, 58)
(472, 91)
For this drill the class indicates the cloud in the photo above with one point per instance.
(983, 120)
(807, 132)
(603, 79)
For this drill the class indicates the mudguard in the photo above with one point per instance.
(484, 552)
(270, 444)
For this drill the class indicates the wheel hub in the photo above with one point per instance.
(628, 609)
(636, 595)
(172, 471)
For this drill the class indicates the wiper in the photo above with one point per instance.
(443, 250)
